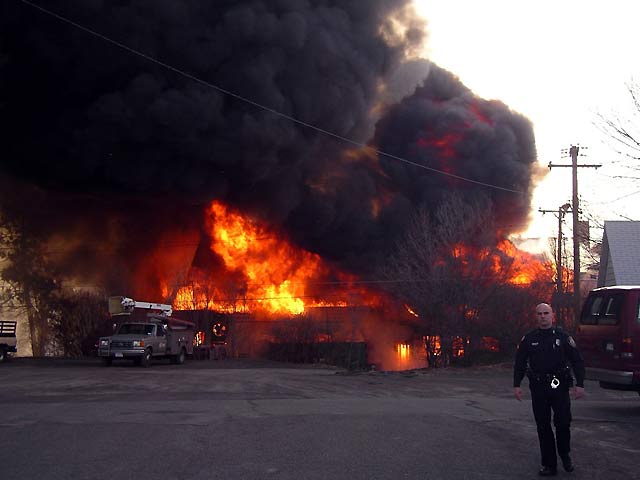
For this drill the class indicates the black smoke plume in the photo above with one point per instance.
(107, 155)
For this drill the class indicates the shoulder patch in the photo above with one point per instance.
(572, 342)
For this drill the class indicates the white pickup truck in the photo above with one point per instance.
(145, 331)
(143, 340)
(7, 339)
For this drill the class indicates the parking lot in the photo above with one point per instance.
(245, 419)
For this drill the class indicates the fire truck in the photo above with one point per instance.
(145, 331)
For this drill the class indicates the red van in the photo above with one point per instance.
(608, 336)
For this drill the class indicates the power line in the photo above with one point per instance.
(258, 105)
(612, 212)
(342, 295)
(616, 199)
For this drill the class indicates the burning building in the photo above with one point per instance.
(240, 156)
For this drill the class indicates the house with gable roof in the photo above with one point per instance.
(620, 257)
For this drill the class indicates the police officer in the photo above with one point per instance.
(547, 356)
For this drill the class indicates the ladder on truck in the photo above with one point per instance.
(119, 305)
(155, 311)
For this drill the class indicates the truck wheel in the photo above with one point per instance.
(179, 358)
(146, 358)
(3, 355)
(107, 361)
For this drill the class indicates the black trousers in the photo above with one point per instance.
(544, 399)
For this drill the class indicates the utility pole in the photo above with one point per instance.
(574, 150)
(561, 211)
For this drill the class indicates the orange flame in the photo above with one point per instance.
(198, 339)
(404, 351)
(410, 310)
(275, 275)
(520, 268)
(526, 267)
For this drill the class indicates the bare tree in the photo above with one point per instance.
(30, 283)
(449, 269)
(509, 313)
(623, 129)
(78, 321)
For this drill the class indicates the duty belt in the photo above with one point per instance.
(552, 379)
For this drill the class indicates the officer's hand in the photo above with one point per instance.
(517, 392)
(578, 392)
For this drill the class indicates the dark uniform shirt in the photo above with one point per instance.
(547, 351)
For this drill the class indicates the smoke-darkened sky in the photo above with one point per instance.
(120, 148)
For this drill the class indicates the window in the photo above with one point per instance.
(135, 329)
(591, 310)
(603, 309)
(160, 331)
(612, 310)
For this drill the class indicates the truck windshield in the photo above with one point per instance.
(135, 329)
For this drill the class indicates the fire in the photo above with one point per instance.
(404, 351)
(410, 310)
(270, 274)
(198, 339)
(491, 344)
(432, 342)
(445, 145)
(526, 267)
(481, 116)
(520, 268)
(406, 356)
(258, 271)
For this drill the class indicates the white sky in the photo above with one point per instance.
(557, 62)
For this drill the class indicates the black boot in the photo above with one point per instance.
(567, 463)
(547, 471)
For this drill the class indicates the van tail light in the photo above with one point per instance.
(627, 348)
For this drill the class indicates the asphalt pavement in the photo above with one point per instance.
(247, 419)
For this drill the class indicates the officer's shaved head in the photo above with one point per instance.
(544, 315)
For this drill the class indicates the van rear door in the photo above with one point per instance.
(601, 330)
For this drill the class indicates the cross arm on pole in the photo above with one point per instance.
(551, 165)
